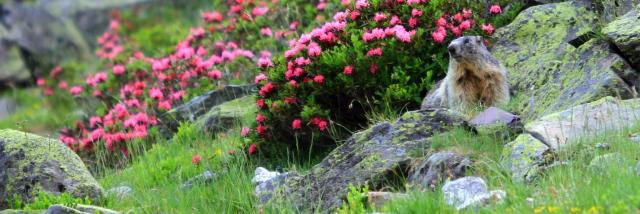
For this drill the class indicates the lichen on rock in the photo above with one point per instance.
(551, 62)
(372, 156)
(30, 164)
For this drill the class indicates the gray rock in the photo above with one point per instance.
(559, 129)
(463, 191)
(120, 192)
(552, 61)
(602, 162)
(495, 197)
(263, 175)
(625, 34)
(200, 105)
(635, 138)
(94, 209)
(372, 156)
(204, 178)
(45, 37)
(61, 209)
(12, 67)
(216, 110)
(264, 190)
(30, 164)
(439, 167)
(526, 157)
(7, 107)
(611, 9)
(603, 146)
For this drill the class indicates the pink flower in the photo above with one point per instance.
(252, 149)
(266, 89)
(488, 28)
(379, 17)
(395, 20)
(441, 22)
(296, 124)
(467, 13)
(63, 84)
(373, 68)
(413, 22)
(260, 77)
(41, 81)
(465, 25)
(156, 94)
(416, 13)
(266, 31)
(245, 131)
(260, 118)
(100, 77)
(410, 2)
(314, 49)
(118, 70)
(212, 16)
(197, 32)
(93, 121)
(361, 4)
(374, 52)
(164, 105)
(495, 9)
(260, 103)
(259, 11)
(265, 62)
(215, 74)
(438, 36)
(261, 129)
(348, 70)
(195, 160)
(161, 65)
(318, 79)
(75, 90)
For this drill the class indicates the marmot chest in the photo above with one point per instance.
(475, 86)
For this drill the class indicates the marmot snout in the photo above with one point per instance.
(474, 77)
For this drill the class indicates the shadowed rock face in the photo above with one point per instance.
(553, 61)
(30, 164)
(624, 32)
(372, 156)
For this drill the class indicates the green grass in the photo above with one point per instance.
(156, 177)
(35, 114)
(573, 187)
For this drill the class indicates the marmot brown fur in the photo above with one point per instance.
(474, 78)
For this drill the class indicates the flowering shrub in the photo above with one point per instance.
(133, 89)
(373, 54)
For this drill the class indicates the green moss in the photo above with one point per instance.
(37, 150)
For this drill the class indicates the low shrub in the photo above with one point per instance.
(375, 55)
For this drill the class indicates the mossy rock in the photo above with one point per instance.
(560, 129)
(372, 156)
(30, 164)
(213, 110)
(228, 115)
(13, 69)
(624, 32)
(526, 157)
(555, 61)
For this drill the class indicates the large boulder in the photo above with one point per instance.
(553, 61)
(12, 67)
(624, 32)
(215, 110)
(530, 153)
(526, 157)
(437, 169)
(559, 129)
(372, 156)
(30, 164)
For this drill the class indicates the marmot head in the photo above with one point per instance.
(467, 48)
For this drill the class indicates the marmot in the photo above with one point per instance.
(474, 77)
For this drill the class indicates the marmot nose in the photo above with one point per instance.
(452, 50)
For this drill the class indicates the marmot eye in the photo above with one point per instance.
(466, 41)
